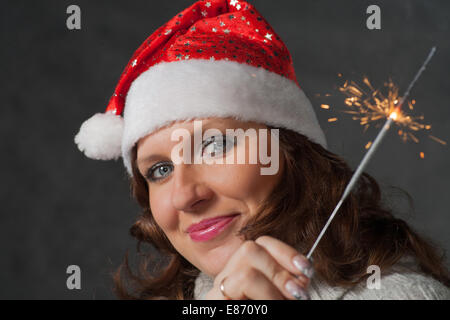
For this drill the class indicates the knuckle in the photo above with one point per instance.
(249, 247)
(271, 269)
(262, 239)
(249, 275)
(280, 277)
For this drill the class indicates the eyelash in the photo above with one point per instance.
(212, 139)
(155, 167)
(205, 143)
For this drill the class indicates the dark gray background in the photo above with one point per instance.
(60, 208)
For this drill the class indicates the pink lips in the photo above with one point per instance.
(209, 228)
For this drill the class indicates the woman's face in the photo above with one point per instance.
(185, 195)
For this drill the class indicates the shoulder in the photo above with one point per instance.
(400, 286)
(402, 282)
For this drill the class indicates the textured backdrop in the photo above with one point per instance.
(60, 208)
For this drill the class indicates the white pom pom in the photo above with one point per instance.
(100, 136)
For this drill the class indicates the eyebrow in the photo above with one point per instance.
(205, 127)
(150, 158)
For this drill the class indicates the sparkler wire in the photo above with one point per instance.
(369, 155)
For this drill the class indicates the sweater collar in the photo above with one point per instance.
(318, 288)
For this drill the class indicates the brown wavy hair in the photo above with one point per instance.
(363, 233)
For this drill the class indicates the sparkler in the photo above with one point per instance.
(390, 107)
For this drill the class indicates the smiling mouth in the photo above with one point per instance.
(210, 228)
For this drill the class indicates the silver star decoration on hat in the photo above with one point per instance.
(268, 36)
(208, 4)
(133, 64)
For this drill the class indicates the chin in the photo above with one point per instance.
(213, 261)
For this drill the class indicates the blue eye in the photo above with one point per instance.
(159, 171)
(216, 146)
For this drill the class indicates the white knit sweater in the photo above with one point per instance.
(404, 281)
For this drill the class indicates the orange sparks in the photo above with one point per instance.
(393, 115)
(332, 119)
(367, 105)
(422, 155)
(438, 140)
(413, 137)
(368, 144)
(324, 95)
(325, 106)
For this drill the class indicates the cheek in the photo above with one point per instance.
(243, 181)
(162, 210)
(250, 185)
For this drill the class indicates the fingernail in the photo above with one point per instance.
(303, 265)
(296, 291)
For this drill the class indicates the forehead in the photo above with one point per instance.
(159, 143)
(163, 135)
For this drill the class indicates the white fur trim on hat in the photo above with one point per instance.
(189, 89)
(100, 136)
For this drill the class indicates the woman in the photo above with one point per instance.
(238, 230)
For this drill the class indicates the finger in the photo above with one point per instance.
(251, 284)
(286, 256)
(215, 294)
(252, 254)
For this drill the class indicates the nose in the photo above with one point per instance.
(189, 193)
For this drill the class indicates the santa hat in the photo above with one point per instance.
(216, 58)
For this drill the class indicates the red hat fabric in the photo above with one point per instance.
(215, 58)
(215, 30)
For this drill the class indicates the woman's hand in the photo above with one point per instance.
(264, 269)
